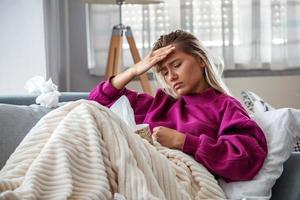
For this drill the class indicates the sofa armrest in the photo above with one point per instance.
(18, 114)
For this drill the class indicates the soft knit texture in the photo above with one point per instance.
(83, 151)
(219, 133)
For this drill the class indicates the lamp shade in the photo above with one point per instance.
(123, 1)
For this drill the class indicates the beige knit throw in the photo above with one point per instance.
(84, 151)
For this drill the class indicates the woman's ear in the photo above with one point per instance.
(202, 63)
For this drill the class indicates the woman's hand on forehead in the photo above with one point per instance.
(152, 59)
(163, 50)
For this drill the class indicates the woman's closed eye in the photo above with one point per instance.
(165, 73)
(177, 65)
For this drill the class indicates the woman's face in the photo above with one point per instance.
(183, 73)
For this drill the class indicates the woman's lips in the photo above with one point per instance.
(177, 86)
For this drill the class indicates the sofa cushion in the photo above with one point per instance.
(15, 123)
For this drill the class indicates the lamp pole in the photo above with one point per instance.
(120, 3)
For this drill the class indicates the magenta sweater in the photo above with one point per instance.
(219, 133)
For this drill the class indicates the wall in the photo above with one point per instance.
(22, 45)
(279, 91)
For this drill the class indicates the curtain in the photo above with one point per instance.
(248, 34)
(57, 42)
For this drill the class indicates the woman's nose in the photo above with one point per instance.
(172, 76)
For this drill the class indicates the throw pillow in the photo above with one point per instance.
(282, 130)
(256, 104)
(15, 123)
(249, 98)
(297, 146)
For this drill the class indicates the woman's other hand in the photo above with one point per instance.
(151, 60)
(169, 137)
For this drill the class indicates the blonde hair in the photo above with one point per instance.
(188, 43)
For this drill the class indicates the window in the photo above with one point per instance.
(248, 34)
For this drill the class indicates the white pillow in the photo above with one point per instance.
(282, 130)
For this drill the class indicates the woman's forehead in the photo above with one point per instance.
(172, 58)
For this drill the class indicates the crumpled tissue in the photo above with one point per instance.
(48, 95)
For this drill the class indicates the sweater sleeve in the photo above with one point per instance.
(239, 150)
(106, 94)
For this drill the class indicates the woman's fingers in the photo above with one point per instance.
(159, 57)
(153, 58)
(163, 50)
(156, 59)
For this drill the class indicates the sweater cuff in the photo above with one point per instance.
(190, 144)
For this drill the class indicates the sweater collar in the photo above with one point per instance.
(206, 96)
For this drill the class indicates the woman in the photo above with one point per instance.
(193, 111)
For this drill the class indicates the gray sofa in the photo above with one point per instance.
(18, 116)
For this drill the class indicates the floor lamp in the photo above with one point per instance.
(113, 61)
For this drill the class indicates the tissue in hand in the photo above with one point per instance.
(47, 91)
(123, 109)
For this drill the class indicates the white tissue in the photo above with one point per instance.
(48, 95)
(123, 109)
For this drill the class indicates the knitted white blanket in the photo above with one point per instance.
(84, 151)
